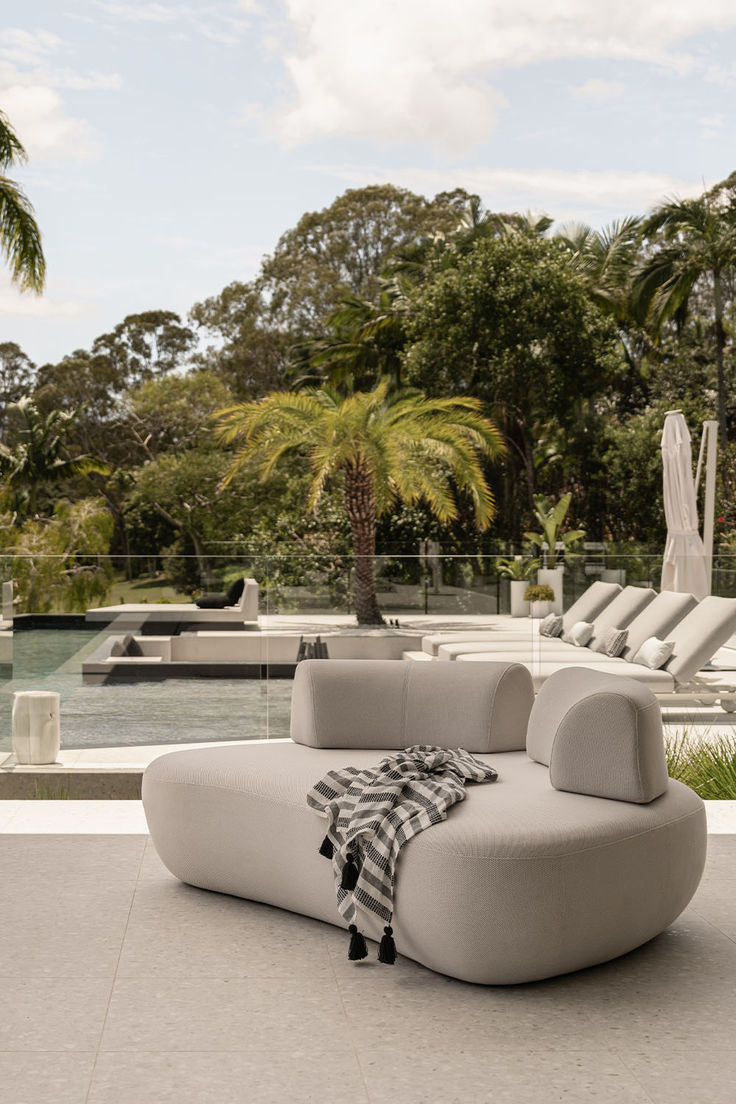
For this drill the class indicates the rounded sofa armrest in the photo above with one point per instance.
(599, 734)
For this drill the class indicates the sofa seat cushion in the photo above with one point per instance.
(483, 896)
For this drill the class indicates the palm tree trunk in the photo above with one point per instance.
(360, 506)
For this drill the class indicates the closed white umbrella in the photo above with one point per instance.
(684, 565)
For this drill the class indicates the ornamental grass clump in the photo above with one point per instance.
(708, 767)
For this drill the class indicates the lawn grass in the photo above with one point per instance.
(708, 766)
(156, 589)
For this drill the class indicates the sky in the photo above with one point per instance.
(171, 143)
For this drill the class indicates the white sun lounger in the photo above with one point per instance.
(697, 636)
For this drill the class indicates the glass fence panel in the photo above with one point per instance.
(137, 663)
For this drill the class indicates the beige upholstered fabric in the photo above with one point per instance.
(699, 635)
(522, 881)
(590, 604)
(661, 682)
(389, 704)
(619, 613)
(599, 734)
(657, 619)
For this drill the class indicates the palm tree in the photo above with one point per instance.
(698, 243)
(38, 459)
(605, 259)
(363, 342)
(387, 445)
(20, 238)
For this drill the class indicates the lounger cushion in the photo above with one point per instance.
(619, 613)
(599, 734)
(393, 704)
(699, 635)
(654, 653)
(590, 603)
(657, 619)
(661, 682)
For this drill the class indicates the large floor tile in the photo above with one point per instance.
(228, 1078)
(51, 861)
(383, 1006)
(175, 930)
(52, 1013)
(697, 1075)
(28, 1077)
(70, 942)
(276, 1016)
(434, 1073)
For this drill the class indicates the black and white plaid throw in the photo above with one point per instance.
(371, 813)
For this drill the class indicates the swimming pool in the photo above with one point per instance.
(174, 711)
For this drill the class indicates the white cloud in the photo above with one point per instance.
(421, 69)
(37, 114)
(218, 22)
(29, 96)
(561, 194)
(595, 89)
(21, 47)
(13, 304)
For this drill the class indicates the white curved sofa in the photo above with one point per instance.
(582, 850)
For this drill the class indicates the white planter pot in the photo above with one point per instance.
(36, 726)
(519, 608)
(539, 609)
(552, 576)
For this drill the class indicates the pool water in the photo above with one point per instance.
(173, 711)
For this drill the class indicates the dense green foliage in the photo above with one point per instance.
(574, 341)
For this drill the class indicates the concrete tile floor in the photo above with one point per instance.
(120, 985)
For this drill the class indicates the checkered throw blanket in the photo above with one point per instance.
(372, 813)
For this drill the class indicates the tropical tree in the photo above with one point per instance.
(20, 237)
(387, 445)
(39, 459)
(694, 241)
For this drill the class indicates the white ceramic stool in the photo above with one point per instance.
(36, 726)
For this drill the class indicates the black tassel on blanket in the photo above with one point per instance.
(326, 848)
(349, 873)
(387, 947)
(358, 948)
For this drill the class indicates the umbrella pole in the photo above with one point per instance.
(710, 430)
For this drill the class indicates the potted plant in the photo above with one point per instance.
(539, 596)
(551, 517)
(517, 570)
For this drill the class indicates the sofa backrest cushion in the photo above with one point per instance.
(590, 603)
(699, 635)
(657, 619)
(619, 613)
(600, 734)
(393, 704)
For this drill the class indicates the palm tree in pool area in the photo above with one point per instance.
(20, 238)
(698, 243)
(387, 445)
